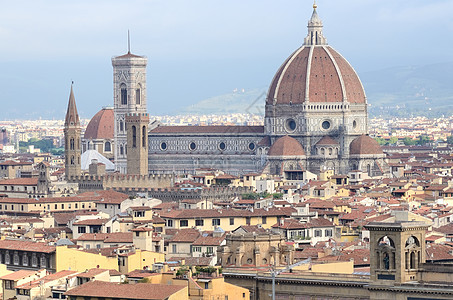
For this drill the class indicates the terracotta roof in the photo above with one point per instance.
(26, 246)
(209, 129)
(15, 163)
(145, 291)
(91, 222)
(92, 273)
(114, 237)
(326, 140)
(129, 55)
(286, 146)
(101, 125)
(209, 240)
(185, 236)
(329, 75)
(48, 278)
(18, 275)
(364, 145)
(20, 181)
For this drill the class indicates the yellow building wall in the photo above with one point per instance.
(141, 259)
(218, 289)
(77, 260)
(346, 267)
(183, 294)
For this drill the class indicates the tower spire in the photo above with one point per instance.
(315, 36)
(72, 116)
(128, 42)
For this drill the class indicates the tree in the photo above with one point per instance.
(423, 140)
(408, 141)
(450, 139)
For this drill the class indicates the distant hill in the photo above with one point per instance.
(405, 91)
(238, 101)
(399, 91)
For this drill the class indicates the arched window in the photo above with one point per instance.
(121, 150)
(72, 160)
(134, 137)
(137, 96)
(368, 169)
(43, 262)
(107, 147)
(71, 146)
(123, 94)
(144, 136)
(121, 126)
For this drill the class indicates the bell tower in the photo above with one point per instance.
(72, 139)
(129, 96)
(397, 251)
(137, 143)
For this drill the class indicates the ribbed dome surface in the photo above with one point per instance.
(327, 140)
(364, 145)
(286, 146)
(101, 125)
(316, 74)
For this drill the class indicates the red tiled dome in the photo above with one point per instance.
(364, 145)
(316, 73)
(329, 77)
(327, 140)
(286, 146)
(101, 125)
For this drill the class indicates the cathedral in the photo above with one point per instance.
(315, 119)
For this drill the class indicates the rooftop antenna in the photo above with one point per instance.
(128, 42)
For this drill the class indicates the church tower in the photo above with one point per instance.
(129, 96)
(72, 139)
(397, 251)
(137, 143)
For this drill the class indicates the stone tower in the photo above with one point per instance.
(129, 96)
(137, 143)
(397, 251)
(72, 139)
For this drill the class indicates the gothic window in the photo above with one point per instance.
(137, 96)
(16, 258)
(34, 260)
(71, 146)
(121, 126)
(43, 262)
(134, 137)
(121, 150)
(7, 259)
(144, 136)
(72, 160)
(123, 94)
(107, 147)
(368, 169)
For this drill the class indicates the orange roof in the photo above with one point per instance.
(140, 291)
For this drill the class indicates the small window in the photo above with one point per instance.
(192, 146)
(123, 94)
(183, 223)
(199, 222)
(231, 221)
(215, 222)
(137, 96)
(107, 147)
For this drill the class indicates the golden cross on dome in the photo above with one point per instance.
(314, 4)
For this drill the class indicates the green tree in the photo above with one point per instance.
(408, 141)
(423, 140)
(392, 141)
(450, 139)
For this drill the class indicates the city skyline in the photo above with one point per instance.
(203, 49)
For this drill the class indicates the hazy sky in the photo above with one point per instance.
(198, 48)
